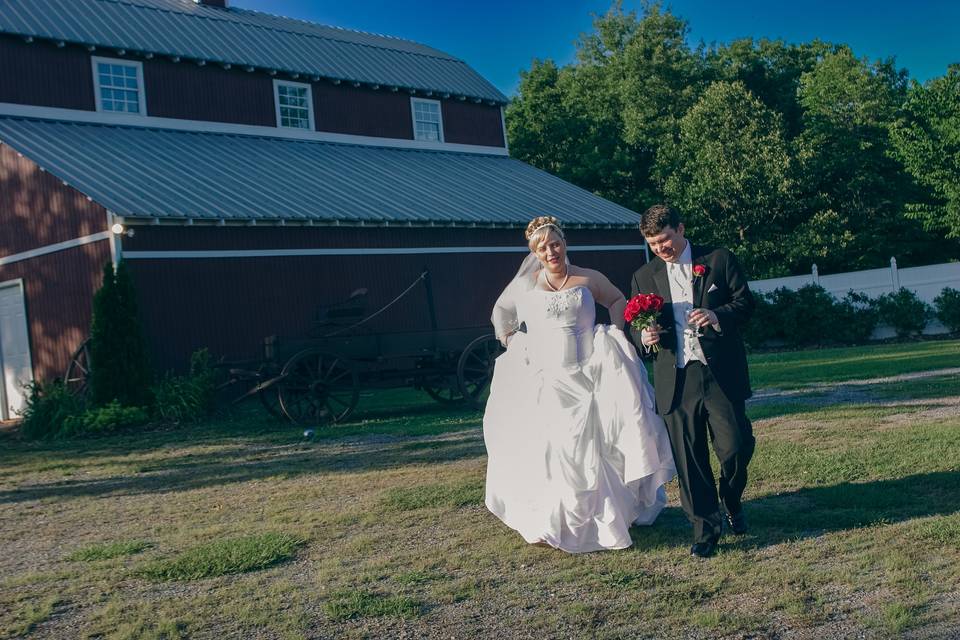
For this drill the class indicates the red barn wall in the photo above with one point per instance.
(41, 74)
(37, 210)
(361, 111)
(186, 91)
(231, 304)
(470, 123)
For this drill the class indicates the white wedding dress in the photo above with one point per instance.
(576, 452)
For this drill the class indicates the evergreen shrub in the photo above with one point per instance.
(119, 369)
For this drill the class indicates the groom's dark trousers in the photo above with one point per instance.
(704, 412)
(704, 404)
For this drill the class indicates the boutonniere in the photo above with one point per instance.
(699, 270)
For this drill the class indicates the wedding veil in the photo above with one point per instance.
(505, 319)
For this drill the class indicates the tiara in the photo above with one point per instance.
(555, 225)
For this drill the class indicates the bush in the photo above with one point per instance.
(186, 398)
(810, 316)
(856, 318)
(948, 308)
(118, 356)
(904, 311)
(48, 407)
(763, 325)
(102, 420)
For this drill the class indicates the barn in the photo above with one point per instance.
(251, 169)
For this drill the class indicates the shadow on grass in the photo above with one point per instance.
(814, 511)
(244, 463)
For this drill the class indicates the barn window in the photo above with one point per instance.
(427, 120)
(294, 104)
(119, 86)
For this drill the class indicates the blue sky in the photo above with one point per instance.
(498, 38)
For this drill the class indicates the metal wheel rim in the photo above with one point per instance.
(270, 395)
(475, 367)
(446, 391)
(78, 371)
(318, 388)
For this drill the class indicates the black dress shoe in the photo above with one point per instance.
(737, 522)
(703, 549)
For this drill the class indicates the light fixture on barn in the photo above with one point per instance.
(119, 230)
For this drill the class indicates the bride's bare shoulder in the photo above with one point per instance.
(590, 274)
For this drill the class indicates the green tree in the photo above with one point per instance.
(600, 121)
(119, 368)
(770, 70)
(853, 191)
(926, 139)
(728, 172)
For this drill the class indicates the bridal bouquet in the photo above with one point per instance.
(642, 311)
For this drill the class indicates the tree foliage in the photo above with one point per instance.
(926, 139)
(729, 173)
(789, 154)
(853, 190)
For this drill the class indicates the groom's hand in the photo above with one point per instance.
(704, 318)
(650, 336)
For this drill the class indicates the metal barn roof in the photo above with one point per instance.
(140, 172)
(241, 37)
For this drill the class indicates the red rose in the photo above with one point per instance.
(699, 270)
(642, 311)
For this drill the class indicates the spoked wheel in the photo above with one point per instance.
(78, 371)
(270, 399)
(475, 368)
(267, 389)
(443, 389)
(318, 388)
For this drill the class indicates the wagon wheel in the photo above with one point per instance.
(443, 389)
(475, 368)
(268, 389)
(270, 399)
(78, 371)
(317, 388)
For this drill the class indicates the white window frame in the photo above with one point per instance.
(413, 115)
(141, 88)
(276, 102)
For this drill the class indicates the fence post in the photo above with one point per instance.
(816, 274)
(894, 275)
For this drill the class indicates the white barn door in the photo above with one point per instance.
(14, 349)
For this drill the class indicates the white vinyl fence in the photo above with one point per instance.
(926, 282)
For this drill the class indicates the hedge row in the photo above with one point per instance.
(810, 316)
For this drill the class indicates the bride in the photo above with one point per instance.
(576, 452)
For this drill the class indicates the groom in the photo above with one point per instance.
(700, 372)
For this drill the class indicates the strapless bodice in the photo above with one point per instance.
(559, 326)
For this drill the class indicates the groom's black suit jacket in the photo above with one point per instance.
(730, 299)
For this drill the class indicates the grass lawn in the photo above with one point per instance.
(240, 527)
(788, 370)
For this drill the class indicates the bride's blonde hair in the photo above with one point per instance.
(539, 227)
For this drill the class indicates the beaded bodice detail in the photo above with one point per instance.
(559, 302)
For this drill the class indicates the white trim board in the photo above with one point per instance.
(200, 126)
(373, 251)
(53, 248)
